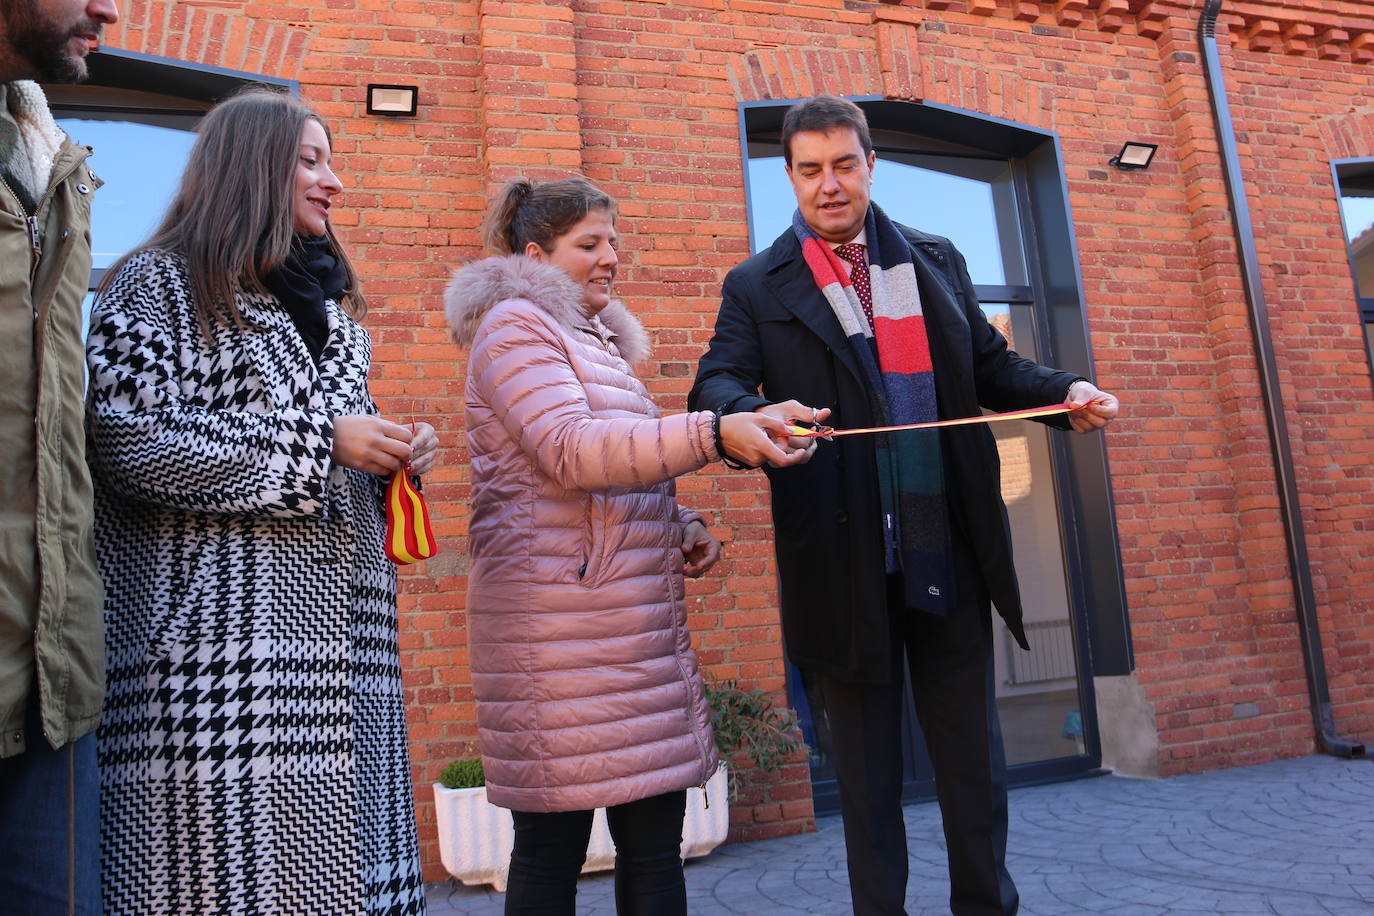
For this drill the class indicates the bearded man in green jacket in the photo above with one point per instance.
(52, 665)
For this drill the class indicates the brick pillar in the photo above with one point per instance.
(1244, 615)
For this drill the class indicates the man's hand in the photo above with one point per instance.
(1102, 407)
(700, 549)
(368, 443)
(792, 413)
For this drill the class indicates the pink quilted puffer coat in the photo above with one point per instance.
(588, 692)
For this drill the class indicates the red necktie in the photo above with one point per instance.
(855, 255)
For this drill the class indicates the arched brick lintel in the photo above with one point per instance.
(210, 35)
(790, 73)
(1349, 136)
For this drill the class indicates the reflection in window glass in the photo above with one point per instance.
(141, 165)
(1037, 691)
(998, 315)
(1358, 216)
(968, 200)
(1355, 181)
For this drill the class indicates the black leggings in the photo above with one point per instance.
(550, 849)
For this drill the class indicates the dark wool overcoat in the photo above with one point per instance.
(776, 336)
(253, 751)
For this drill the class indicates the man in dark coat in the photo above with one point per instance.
(850, 615)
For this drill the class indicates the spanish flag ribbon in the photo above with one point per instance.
(409, 538)
(825, 432)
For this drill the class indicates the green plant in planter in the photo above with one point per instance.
(747, 720)
(464, 773)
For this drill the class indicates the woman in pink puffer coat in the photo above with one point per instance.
(588, 692)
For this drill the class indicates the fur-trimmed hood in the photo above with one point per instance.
(478, 287)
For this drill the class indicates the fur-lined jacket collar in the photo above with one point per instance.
(478, 287)
(29, 137)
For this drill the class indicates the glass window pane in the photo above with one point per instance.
(1037, 691)
(771, 201)
(1361, 213)
(141, 165)
(968, 200)
(1357, 214)
(998, 315)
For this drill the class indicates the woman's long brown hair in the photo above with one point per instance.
(233, 214)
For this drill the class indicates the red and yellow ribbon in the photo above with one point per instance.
(409, 537)
(825, 432)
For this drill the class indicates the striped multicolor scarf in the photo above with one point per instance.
(895, 357)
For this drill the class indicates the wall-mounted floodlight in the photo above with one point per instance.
(392, 101)
(1134, 155)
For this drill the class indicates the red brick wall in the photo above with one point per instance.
(642, 97)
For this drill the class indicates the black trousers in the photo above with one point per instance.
(950, 661)
(550, 849)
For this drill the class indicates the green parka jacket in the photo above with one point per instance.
(51, 633)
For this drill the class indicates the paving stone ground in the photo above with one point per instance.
(1289, 838)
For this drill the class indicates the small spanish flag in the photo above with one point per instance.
(408, 535)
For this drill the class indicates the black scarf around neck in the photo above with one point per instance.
(309, 276)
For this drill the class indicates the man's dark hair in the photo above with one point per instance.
(824, 113)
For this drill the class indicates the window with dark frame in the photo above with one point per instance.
(141, 142)
(1355, 188)
(139, 114)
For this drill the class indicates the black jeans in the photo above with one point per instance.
(550, 849)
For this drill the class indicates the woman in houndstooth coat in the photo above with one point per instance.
(253, 750)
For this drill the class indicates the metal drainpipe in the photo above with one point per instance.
(1289, 505)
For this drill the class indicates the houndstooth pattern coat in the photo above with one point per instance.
(253, 750)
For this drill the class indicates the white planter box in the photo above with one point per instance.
(475, 836)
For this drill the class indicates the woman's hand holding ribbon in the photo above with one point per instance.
(761, 438)
(366, 442)
(424, 446)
